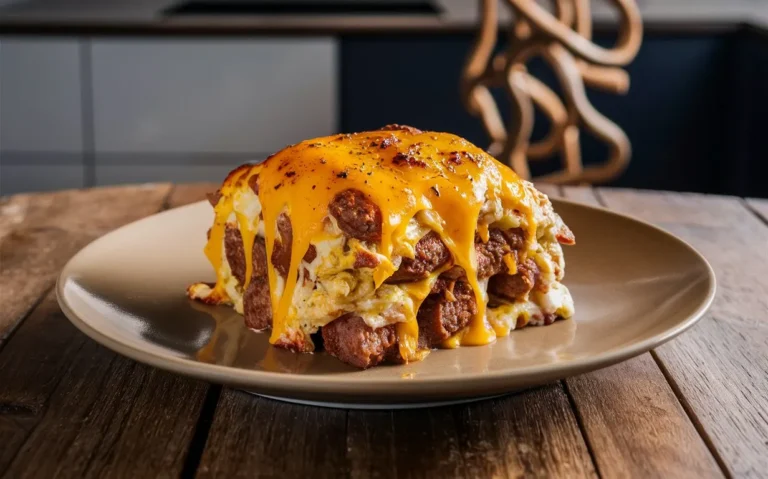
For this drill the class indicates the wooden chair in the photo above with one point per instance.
(563, 39)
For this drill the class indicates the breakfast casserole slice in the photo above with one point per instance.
(388, 244)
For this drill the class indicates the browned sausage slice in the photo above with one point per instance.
(257, 305)
(440, 317)
(234, 251)
(515, 287)
(490, 255)
(281, 250)
(430, 254)
(356, 215)
(351, 340)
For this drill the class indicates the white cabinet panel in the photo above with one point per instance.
(40, 100)
(210, 95)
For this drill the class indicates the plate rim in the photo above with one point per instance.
(335, 385)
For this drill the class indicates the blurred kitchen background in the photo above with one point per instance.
(96, 92)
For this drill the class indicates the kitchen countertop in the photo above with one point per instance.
(146, 16)
(694, 407)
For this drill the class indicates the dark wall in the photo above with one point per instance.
(744, 166)
(679, 114)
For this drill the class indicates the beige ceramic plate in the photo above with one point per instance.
(634, 286)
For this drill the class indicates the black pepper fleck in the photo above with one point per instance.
(343, 174)
(313, 186)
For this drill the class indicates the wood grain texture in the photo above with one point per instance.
(760, 206)
(68, 407)
(255, 437)
(533, 433)
(631, 417)
(636, 425)
(40, 232)
(190, 193)
(581, 194)
(71, 408)
(720, 367)
(549, 189)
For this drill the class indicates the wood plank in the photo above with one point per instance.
(760, 206)
(74, 409)
(371, 431)
(719, 368)
(533, 434)
(190, 193)
(538, 434)
(40, 232)
(631, 417)
(549, 189)
(581, 194)
(68, 407)
(636, 425)
(530, 433)
(256, 437)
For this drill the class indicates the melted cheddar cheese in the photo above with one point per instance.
(436, 181)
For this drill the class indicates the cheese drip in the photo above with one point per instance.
(441, 176)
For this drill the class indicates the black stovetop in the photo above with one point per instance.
(303, 7)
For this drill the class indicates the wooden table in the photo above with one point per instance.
(696, 407)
